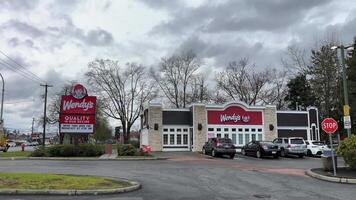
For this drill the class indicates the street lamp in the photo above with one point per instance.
(2, 101)
(344, 83)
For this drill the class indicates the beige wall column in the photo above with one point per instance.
(199, 117)
(270, 118)
(155, 136)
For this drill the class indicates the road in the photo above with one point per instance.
(190, 176)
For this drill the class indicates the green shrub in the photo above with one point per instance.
(135, 143)
(39, 152)
(69, 150)
(347, 149)
(126, 150)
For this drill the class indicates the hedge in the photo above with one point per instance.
(129, 150)
(69, 150)
(347, 149)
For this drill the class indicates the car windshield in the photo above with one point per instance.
(296, 141)
(319, 143)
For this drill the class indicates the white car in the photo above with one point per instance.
(315, 148)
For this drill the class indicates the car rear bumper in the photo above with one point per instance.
(225, 151)
(271, 152)
(296, 151)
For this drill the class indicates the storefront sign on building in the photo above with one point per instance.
(77, 111)
(235, 115)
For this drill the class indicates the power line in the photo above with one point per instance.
(23, 74)
(21, 66)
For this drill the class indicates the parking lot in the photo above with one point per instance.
(194, 176)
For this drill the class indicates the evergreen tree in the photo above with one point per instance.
(299, 93)
(326, 82)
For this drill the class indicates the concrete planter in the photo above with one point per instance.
(328, 162)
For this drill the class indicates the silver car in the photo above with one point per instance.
(291, 146)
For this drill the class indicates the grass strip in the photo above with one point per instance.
(15, 154)
(36, 181)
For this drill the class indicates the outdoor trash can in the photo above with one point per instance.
(327, 160)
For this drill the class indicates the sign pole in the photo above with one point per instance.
(332, 154)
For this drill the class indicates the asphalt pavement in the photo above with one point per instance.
(191, 176)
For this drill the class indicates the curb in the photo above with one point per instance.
(330, 178)
(79, 159)
(135, 186)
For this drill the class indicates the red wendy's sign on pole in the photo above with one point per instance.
(329, 125)
(77, 111)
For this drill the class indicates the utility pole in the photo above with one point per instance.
(2, 101)
(33, 122)
(344, 81)
(44, 113)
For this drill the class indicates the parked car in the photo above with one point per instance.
(315, 148)
(291, 146)
(34, 143)
(219, 146)
(260, 149)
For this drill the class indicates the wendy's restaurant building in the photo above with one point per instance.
(189, 128)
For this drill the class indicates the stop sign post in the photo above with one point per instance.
(329, 126)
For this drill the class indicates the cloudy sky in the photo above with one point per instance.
(56, 39)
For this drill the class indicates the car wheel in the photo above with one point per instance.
(309, 153)
(243, 152)
(283, 153)
(301, 156)
(213, 153)
(232, 156)
(203, 151)
(258, 154)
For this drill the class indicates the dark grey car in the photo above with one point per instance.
(219, 146)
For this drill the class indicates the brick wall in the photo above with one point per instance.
(270, 117)
(155, 136)
(199, 117)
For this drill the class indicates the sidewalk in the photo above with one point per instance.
(112, 156)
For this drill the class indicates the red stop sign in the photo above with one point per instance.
(329, 125)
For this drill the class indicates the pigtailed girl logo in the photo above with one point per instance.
(79, 91)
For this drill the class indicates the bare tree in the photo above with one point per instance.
(199, 91)
(175, 76)
(240, 82)
(296, 60)
(277, 88)
(123, 90)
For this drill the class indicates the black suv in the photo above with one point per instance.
(219, 146)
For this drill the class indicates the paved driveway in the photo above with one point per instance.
(193, 176)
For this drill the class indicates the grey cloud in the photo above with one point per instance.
(14, 42)
(252, 15)
(23, 28)
(159, 4)
(98, 37)
(18, 4)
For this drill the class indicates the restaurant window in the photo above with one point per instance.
(241, 139)
(218, 129)
(171, 139)
(218, 135)
(234, 138)
(179, 139)
(185, 139)
(253, 137)
(171, 130)
(226, 135)
(226, 129)
(210, 129)
(253, 130)
(247, 130)
(233, 130)
(185, 130)
(179, 130)
(165, 130)
(240, 129)
(260, 137)
(165, 139)
(260, 130)
(247, 138)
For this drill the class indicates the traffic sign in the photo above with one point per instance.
(329, 125)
